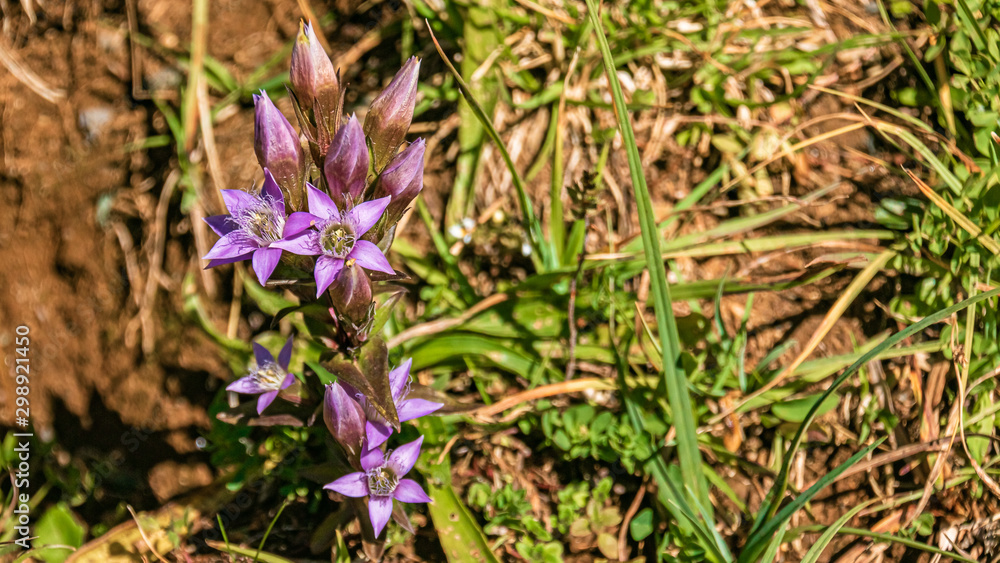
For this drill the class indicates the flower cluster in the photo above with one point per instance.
(321, 223)
(346, 217)
(363, 433)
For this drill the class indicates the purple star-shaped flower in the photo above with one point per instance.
(381, 481)
(337, 237)
(268, 378)
(254, 224)
(377, 429)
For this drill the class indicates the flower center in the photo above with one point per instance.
(262, 223)
(382, 482)
(337, 240)
(270, 375)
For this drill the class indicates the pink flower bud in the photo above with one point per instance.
(344, 418)
(390, 114)
(278, 149)
(402, 180)
(346, 165)
(313, 77)
(352, 293)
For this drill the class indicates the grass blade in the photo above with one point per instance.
(674, 379)
(777, 493)
(761, 539)
(812, 556)
(540, 252)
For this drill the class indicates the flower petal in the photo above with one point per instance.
(235, 243)
(265, 260)
(285, 355)
(262, 355)
(305, 243)
(371, 457)
(411, 409)
(409, 491)
(320, 204)
(377, 433)
(380, 510)
(401, 459)
(398, 378)
(350, 485)
(247, 385)
(370, 257)
(327, 269)
(271, 191)
(265, 400)
(289, 379)
(237, 200)
(298, 222)
(366, 214)
(221, 224)
(223, 261)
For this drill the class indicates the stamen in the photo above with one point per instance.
(382, 482)
(261, 222)
(270, 375)
(337, 239)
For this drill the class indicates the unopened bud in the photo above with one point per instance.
(402, 180)
(390, 114)
(312, 74)
(352, 293)
(278, 149)
(346, 165)
(344, 417)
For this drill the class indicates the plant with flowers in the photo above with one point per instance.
(320, 226)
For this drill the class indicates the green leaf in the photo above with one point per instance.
(642, 525)
(797, 409)
(461, 537)
(608, 545)
(58, 526)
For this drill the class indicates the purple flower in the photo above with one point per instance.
(344, 417)
(402, 179)
(346, 165)
(391, 112)
(277, 147)
(381, 481)
(254, 224)
(337, 237)
(268, 378)
(377, 429)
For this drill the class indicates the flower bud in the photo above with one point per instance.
(344, 418)
(278, 149)
(312, 74)
(352, 293)
(346, 165)
(402, 180)
(390, 114)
